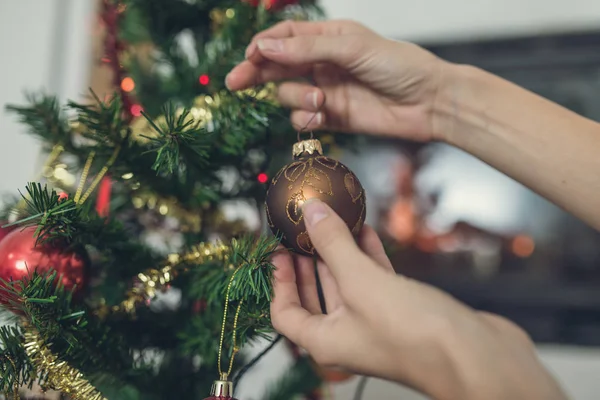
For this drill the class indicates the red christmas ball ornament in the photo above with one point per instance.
(5, 231)
(20, 256)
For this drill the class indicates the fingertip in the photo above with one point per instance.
(250, 50)
(229, 80)
(240, 76)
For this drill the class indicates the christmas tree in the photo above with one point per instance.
(83, 283)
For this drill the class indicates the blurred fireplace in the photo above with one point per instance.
(452, 221)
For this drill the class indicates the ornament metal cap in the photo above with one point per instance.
(222, 388)
(309, 146)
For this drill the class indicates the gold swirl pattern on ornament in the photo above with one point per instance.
(277, 176)
(292, 208)
(269, 220)
(304, 243)
(313, 177)
(59, 375)
(355, 191)
(294, 170)
(361, 220)
(328, 162)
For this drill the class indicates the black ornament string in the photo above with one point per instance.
(240, 374)
(305, 128)
(360, 389)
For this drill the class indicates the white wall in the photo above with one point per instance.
(42, 46)
(447, 20)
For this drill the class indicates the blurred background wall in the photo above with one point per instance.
(46, 44)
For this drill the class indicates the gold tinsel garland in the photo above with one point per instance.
(152, 281)
(60, 375)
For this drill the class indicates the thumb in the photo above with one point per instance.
(342, 50)
(333, 240)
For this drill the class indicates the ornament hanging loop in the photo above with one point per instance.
(305, 128)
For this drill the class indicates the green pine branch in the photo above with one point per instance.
(179, 139)
(70, 330)
(250, 257)
(104, 121)
(15, 368)
(45, 119)
(54, 216)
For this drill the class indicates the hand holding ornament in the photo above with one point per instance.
(384, 87)
(384, 325)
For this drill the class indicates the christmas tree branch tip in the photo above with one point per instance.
(44, 117)
(179, 135)
(46, 306)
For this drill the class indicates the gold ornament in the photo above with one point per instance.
(219, 18)
(190, 220)
(267, 92)
(153, 281)
(60, 376)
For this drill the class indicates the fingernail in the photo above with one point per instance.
(319, 119)
(314, 211)
(313, 120)
(273, 45)
(311, 100)
(227, 79)
(250, 50)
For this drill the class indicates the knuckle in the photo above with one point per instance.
(276, 322)
(288, 24)
(306, 44)
(349, 26)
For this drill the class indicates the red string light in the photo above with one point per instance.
(127, 84)
(262, 177)
(204, 79)
(136, 110)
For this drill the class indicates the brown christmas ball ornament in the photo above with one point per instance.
(20, 256)
(312, 175)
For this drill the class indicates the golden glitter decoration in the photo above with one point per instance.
(267, 93)
(153, 281)
(60, 375)
(190, 220)
(142, 131)
(217, 17)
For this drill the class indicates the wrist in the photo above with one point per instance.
(475, 362)
(439, 369)
(455, 101)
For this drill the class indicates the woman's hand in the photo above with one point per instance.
(384, 325)
(371, 84)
